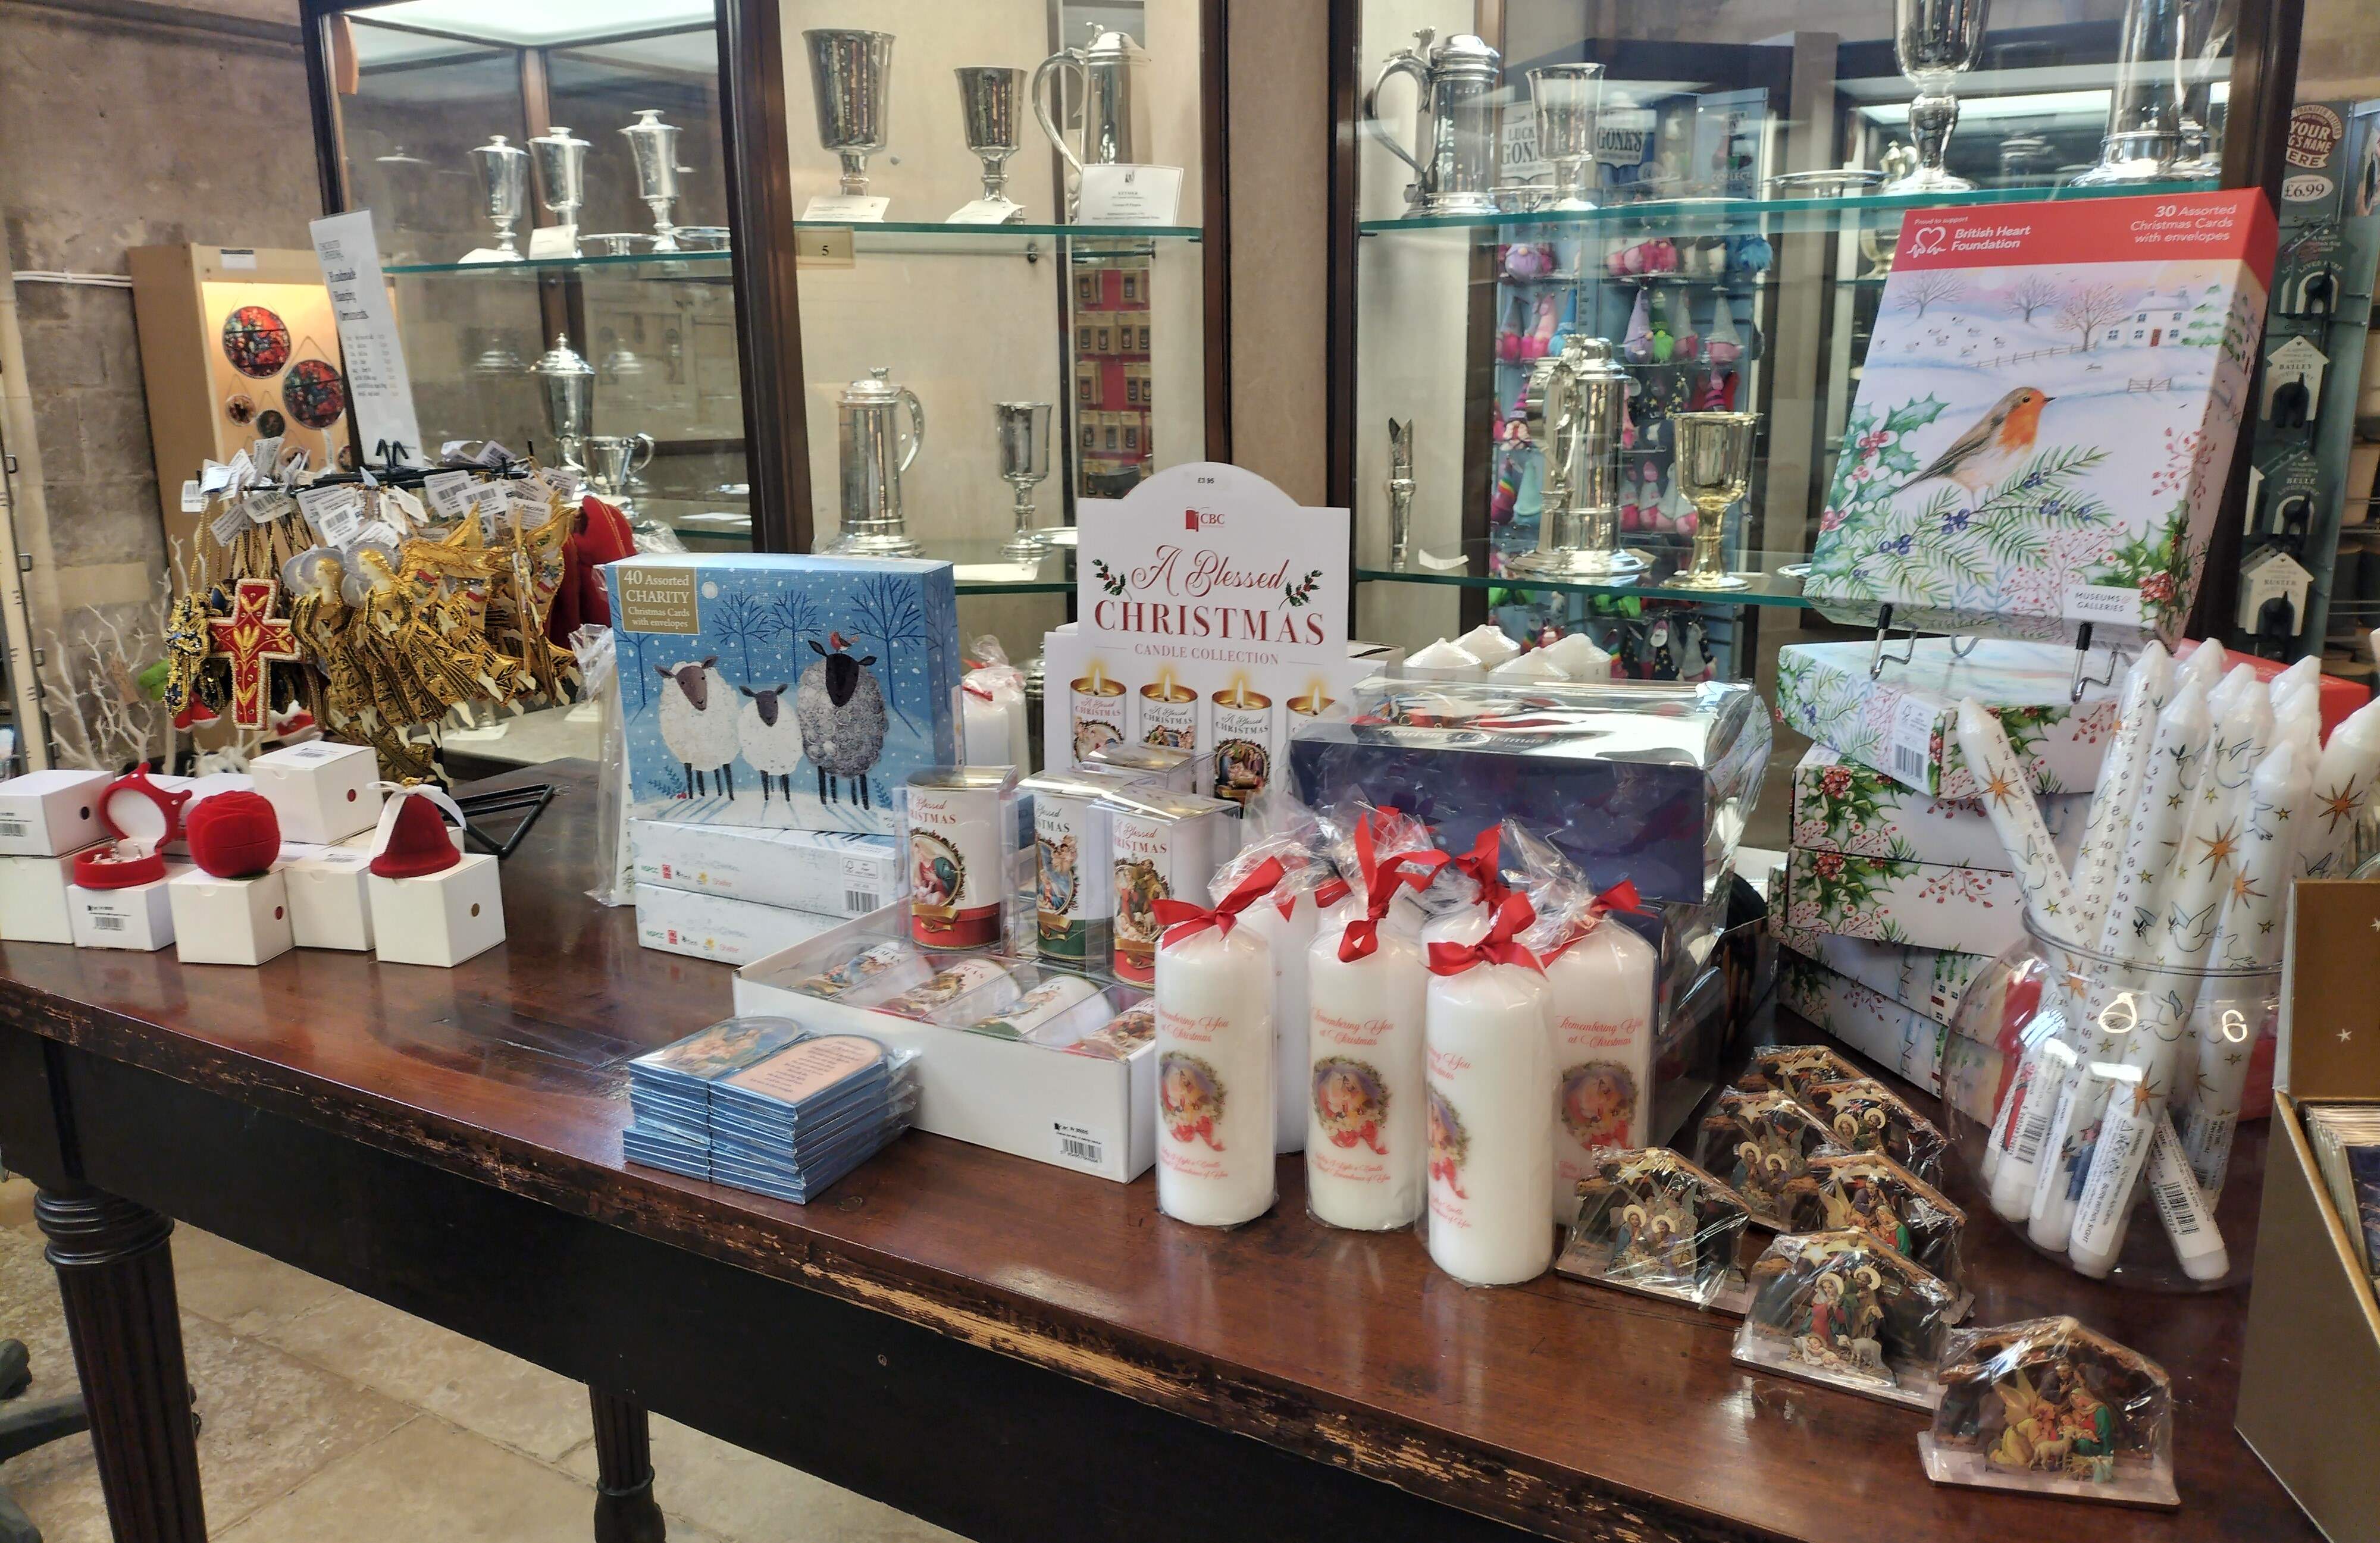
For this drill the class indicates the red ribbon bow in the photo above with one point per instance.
(1513, 914)
(1361, 937)
(1619, 897)
(1185, 919)
(1480, 864)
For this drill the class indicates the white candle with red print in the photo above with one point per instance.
(1216, 1085)
(1288, 936)
(1367, 987)
(1488, 1112)
(1599, 1027)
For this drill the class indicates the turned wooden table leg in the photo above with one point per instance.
(625, 1511)
(116, 1277)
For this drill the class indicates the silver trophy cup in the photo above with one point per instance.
(1024, 430)
(1567, 99)
(1936, 42)
(612, 460)
(654, 144)
(989, 95)
(567, 386)
(562, 176)
(850, 82)
(503, 189)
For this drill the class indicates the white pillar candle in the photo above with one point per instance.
(2303, 676)
(2342, 793)
(1444, 661)
(1576, 656)
(1599, 1027)
(1216, 1086)
(1365, 1139)
(1488, 643)
(1490, 1116)
(2016, 818)
(1287, 937)
(2146, 690)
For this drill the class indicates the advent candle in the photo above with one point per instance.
(1491, 1104)
(1216, 1087)
(1599, 1029)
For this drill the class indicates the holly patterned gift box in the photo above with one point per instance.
(1926, 981)
(1842, 806)
(2047, 415)
(1891, 899)
(1904, 720)
(1966, 1075)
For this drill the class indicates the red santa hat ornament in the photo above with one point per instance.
(235, 834)
(411, 841)
(142, 818)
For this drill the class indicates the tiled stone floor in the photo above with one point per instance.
(328, 1416)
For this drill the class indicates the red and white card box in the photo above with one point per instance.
(321, 791)
(47, 813)
(438, 919)
(221, 921)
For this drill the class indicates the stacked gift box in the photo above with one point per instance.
(1896, 892)
(773, 706)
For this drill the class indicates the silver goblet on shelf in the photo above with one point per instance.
(612, 460)
(653, 144)
(989, 95)
(566, 385)
(504, 190)
(1024, 431)
(1568, 99)
(1714, 470)
(2206, 29)
(1936, 42)
(2144, 138)
(562, 178)
(851, 86)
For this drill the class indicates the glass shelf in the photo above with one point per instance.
(892, 237)
(921, 237)
(719, 265)
(1768, 216)
(1766, 586)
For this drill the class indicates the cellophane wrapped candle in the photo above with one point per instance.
(1216, 1078)
(1491, 1104)
(1599, 978)
(1286, 920)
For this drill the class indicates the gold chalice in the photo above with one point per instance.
(1714, 470)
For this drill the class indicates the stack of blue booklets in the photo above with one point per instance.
(763, 1104)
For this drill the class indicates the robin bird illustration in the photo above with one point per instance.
(1999, 442)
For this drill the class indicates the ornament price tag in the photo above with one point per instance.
(336, 513)
(194, 497)
(449, 494)
(227, 526)
(263, 508)
(214, 477)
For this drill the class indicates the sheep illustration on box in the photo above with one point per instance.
(828, 678)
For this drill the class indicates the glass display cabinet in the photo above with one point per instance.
(819, 276)
(1692, 211)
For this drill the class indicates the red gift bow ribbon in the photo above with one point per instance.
(1480, 864)
(1619, 897)
(1380, 880)
(1499, 946)
(1185, 919)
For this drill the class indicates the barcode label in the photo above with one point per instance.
(2033, 1130)
(1911, 744)
(103, 923)
(859, 902)
(1077, 1144)
(15, 828)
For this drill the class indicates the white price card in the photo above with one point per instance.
(847, 209)
(1122, 194)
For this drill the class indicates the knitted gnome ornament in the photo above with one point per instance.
(232, 836)
(412, 841)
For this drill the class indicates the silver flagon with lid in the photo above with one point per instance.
(1454, 154)
(867, 433)
(1576, 405)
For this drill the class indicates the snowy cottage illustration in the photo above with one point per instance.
(763, 689)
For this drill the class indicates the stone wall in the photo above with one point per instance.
(120, 127)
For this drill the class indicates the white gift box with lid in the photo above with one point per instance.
(321, 790)
(438, 919)
(219, 920)
(46, 813)
(330, 899)
(33, 900)
(138, 917)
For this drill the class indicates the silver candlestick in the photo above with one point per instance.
(1936, 42)
(1024, 432)
(851, 86)
(504, 190)
(1400, 493)
(987, 99)
(653, 145)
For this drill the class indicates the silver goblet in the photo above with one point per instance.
(2144, 138)
(1714, 470)
(987, 99)
(1024, 431)
(851, 80)
(1936, 42)
(1568, 99)
(504, 190)
(653, 146)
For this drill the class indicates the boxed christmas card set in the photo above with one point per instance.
(2047, 416)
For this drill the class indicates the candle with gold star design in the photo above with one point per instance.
(2016, 817)
(2341, 794)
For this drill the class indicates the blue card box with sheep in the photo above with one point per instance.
(767, 689)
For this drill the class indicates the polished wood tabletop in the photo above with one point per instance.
(1556, 1407)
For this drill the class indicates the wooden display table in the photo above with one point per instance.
(1000, 1346)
